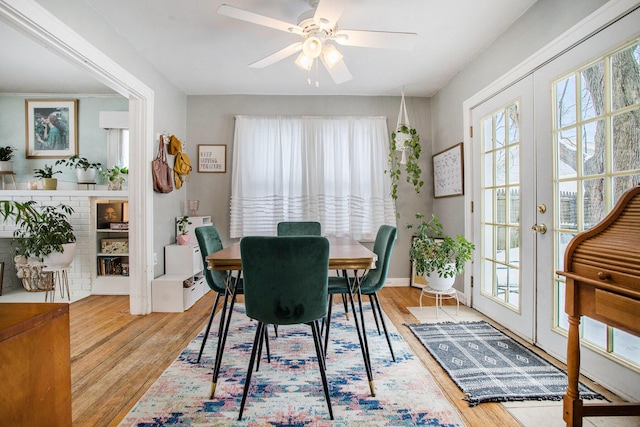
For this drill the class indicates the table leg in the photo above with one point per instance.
(223, 330)
(361, 334)
(571, 402)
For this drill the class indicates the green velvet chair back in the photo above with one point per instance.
(299, 228)
(285, 278)
(383, 246)
(209, 241)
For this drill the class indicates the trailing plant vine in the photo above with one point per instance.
(410, 140)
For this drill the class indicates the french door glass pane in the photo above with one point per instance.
(597, 158)
(626, 345)
(501, 205)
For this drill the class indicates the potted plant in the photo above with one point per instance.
(46, 174)
(184, 237)
(85, 170)
(438, 257)
(115, 176)
(6, 157)
(43, 237)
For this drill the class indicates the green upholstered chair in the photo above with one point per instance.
(285, 283)
(299, 228)
(209, 241)
(373, 280)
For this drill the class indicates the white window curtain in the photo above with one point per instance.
(326, 169)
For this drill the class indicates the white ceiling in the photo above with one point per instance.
(203, 52)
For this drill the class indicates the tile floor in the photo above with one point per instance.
(528, 413)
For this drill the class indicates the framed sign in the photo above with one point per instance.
(52, 128)
(212, 158)
(448, 172)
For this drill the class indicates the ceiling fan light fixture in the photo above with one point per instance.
(331, 55)
(312, 47)
(304, 62)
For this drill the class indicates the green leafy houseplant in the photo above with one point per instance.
(115, 176)
(182, 225)
(6, 153)
(77, 162)
(46, 172)
(408, 140)
(40, 230)
(432, 252)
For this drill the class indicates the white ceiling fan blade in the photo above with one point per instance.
(278, 56)
(377, 39)
(328, 12)
(339, 72)
(243, 15)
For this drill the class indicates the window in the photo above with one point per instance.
(326, 169)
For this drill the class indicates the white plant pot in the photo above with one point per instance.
(440, 283)
(61, 259)
(87, 176)
(6, 166)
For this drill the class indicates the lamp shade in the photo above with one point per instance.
(331, 55)
(312, 47)
(304, 62)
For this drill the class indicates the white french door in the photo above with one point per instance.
(552, 153)
(503, 152)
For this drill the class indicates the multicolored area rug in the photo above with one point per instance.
(288, 391)
(491, 367)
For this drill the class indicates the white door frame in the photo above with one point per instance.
(37, 23)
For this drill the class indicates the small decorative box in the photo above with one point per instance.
(115, 246)
(119, 225)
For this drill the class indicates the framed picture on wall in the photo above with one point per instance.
(52, 128)
(448, 172)
(212, 158)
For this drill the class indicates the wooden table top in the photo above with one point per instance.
(344, 254)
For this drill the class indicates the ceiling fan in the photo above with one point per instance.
(319, 30)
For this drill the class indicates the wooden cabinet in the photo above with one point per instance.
(35, 370)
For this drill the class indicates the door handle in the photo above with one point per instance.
(539, 228)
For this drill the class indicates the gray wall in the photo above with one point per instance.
(541, 24)
(210, 120)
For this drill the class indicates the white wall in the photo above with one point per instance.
(210, 120)
(169, 102)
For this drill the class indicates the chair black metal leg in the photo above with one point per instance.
(321, 364)
(346, 306)
(384, 325)
(247, 381)
(206, 333)
(327, 322)
(375, 313)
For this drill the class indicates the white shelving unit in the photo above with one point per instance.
(183, 265)
(111, 268)
(196, 221)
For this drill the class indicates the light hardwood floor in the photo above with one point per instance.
(116, 356)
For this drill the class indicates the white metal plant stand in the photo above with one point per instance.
(439, 295)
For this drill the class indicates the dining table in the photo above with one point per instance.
(345, 254)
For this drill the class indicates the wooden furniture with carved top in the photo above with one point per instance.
(603, 282)
(35, 364)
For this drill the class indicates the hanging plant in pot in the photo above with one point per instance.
(405, 142)
(85, 171)
(437, 257)
(183, 238)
